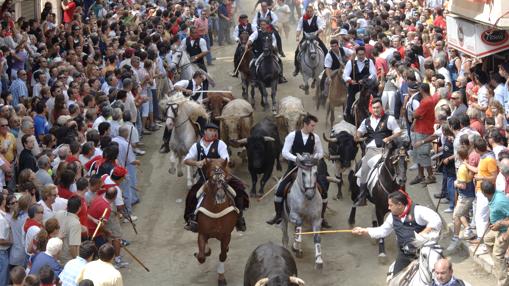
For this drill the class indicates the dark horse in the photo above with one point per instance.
(217, 215)
(267, 70)
(245, 71)
(360, 107)
(391, 170)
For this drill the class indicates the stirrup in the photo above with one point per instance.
(191, 225)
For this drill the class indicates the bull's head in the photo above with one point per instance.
(231, 124)
(342, 148)
(215, 103)
(256, 149)
(280, 281)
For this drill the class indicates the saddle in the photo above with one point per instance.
(230, 193)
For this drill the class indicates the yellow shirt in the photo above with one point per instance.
(101, 273)
(463, 175)
(8, 141)
(487, 168)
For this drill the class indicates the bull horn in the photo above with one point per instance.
(241, 141)
(333, 180)
(225, 99)
(220, 117)
(303, 113)
(268, 138)
(328, 139)
(262, 282)
(278, 115)
(297, 280)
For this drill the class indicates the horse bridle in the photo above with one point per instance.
(394, 158)
(175, 109)
(180, 59)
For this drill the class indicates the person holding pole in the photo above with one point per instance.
(406, 220)
(243, 26)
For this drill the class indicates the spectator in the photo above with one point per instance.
(17, 256)
(44, 167)
(70, 232)
(48, 257)
(101, 271)
(444, 274)
(5, 242)
(73, 268)
(17, 275)
(26, 158)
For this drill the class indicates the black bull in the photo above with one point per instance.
(263, 148)
(272, 264)
(342, 151)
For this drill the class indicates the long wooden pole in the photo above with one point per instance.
(325, 231)
(277, 184)
(240, 62)
(135, 258)
(100, 223)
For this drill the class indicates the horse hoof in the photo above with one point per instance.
(221, 282)
(209, 252)
(319, 266)
(172, 170)
(298, 252)
(201, 260)
(339, 196)
(382, 258)
(180, 174)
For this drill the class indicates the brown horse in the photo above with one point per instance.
(245, 71)
(336, 93)
(217, 215)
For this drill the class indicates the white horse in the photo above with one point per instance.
(420, 271)
(311, 59)
(182, 62)
(181, 118)
(305, 205)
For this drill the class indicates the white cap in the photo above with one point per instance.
(343, 32)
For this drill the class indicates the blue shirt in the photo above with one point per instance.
(41, 259)
(499, 209)
(71, 271)
(18, 90)
(222, 10)
(41, 125)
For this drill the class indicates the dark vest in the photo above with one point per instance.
(268, 17)
(405, 230)
(197, 94)
(194, 49)
(298, 146)
(258, 43)
(310, 28)
(379, 133)
(457, 282)
(335, 61)
(364, 73)
(249, 29)
(212, 154)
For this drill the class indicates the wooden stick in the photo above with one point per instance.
(240, 62)
(135, 258)
(325, 231)
(277, 184)
(482, 239)
(99, 224)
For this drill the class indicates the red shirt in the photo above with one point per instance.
(477, 126)
(65, 193)
(69, 12)
(97, 207)
(440, 22)
(426, 112)
(83, 213)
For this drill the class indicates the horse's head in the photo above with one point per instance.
(307, 174)
(342, 148)
(309, 46)
(243, 37)
(429, 254)
(180, 58)
(171, 115)
(216, 171)
(267, 45)
(398, 157)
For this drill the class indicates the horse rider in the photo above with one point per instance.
(193, 89)
(296, 142)
(335, 58)
(406, 220)
(271, 18)
(196, 47)
(310, 23)
(256, 40)
(358, 72)
(210, 147)
(243, 26)
(379, 129)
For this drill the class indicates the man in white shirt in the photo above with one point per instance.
(358, 72)
(311, 25)
(271, 18)
(210, 147)
(196, 47)
(379, 129)
(5, 241)
(296, 142)
(73, 268)
(406, 220)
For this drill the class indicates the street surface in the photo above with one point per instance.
(167, 249)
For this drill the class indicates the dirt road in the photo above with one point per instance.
(167, 249)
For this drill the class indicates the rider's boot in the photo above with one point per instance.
(297, 67)
(278, 206)
(325, 224)
(192, 225)
(241, 223)
(165, 148)
(361, 198)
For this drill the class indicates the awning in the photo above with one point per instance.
(474, 39)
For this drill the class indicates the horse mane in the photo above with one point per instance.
(194, 110)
